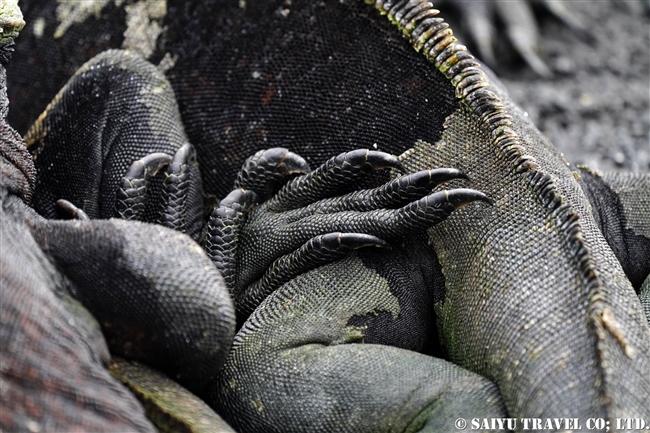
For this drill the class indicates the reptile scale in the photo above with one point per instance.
(394, 245)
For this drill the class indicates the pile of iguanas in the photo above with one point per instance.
(354, 307)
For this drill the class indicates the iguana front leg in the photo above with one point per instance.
(309, 223)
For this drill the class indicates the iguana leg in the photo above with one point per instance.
(156, 295)
(117, 109)
(294, 365)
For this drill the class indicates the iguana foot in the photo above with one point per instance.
(317, 251)
(136, 191)
(309, 223)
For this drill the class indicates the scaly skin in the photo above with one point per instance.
(498, 307)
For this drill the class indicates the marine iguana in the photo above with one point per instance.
(540, 190)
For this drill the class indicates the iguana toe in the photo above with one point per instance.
(337, 175)
(391, 195)
(306, 225)
(176, 188)
(221, 233)
(318, 251)
(268, 169)
(130, 199)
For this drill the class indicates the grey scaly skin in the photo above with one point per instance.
(536, 205)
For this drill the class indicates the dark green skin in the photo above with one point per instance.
(505, 270)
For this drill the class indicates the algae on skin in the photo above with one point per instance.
(11, 21)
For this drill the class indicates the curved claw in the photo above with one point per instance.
(463, 196)
(176, 190)
(182, 156)
(433, 178)
(318, 251)
(148, 165)
(352, 241)
(394, 194)
(72, 210)
(375, 159)
(265, 171)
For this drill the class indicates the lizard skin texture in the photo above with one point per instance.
(584, 249)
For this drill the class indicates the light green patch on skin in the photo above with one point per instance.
(11, 21)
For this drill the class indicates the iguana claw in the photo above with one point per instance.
(219, 238)
(172, 210)
(72, 210)
(175, 189)
(337, 175)
(391, 195)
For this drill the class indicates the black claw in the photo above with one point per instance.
(268, 169)
(72, 210)
(432, 178)
(148, 165)
(462, 196)
(289, 162)
(378, 160)
(353, 241)
(240, 200)
(181, 157)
